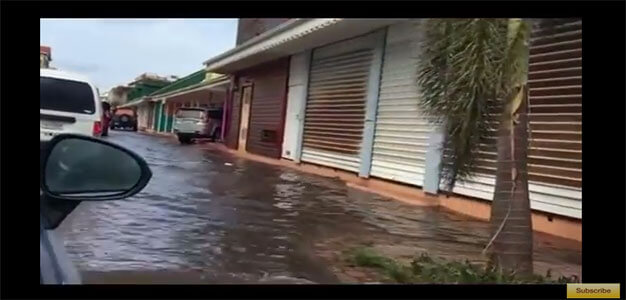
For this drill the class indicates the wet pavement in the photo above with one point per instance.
(210, 217)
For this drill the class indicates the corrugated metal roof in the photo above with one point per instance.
(191, 79)
(205, 84)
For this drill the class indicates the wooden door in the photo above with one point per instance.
(246, 99)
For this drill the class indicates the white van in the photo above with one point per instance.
(68, 103)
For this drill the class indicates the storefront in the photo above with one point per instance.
(340, 106)
(352, 103)
(207, 95)
(257, 107)
(194, 90)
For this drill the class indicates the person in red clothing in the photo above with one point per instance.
(106, 118)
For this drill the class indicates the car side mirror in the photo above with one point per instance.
(83, 168)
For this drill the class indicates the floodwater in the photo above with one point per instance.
(210, 217)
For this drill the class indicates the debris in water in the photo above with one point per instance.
(282, 279)
(239, 249)
(228, 164)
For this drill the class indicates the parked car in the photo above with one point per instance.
(76, 168)
(68, 103)
(124, 118)
(198, 122)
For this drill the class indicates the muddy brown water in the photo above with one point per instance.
(210, 217)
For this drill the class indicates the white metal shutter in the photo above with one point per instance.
(555, 154)
(335, 108)
(143, 114)
(401, 135)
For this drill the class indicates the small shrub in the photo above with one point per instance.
(367, 257)
(424, 268)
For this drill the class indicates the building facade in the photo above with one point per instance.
(257, 106)
(156, 112)
(351, 105)
(146, 84)
(118, 95)
(45, 56)
(143, 85)
(251, 27)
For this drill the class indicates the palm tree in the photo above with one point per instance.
(472, 75)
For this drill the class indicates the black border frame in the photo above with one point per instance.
(603, 90)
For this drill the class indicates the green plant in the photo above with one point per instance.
(367, 257)
(472, 74)
(426, 269)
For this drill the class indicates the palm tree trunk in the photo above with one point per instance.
(511, 222)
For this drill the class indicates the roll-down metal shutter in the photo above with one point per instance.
(401, 135)
(555, 82)
(267, 107)
(335, 107)
(555, 121)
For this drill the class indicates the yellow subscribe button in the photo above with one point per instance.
(593, 290)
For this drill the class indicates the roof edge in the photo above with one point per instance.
(192, 87)
(255, 40)
(156, 93)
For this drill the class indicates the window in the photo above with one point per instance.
(190, 113)
(66, 95)
(124, 111)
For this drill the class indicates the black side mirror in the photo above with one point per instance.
(82, 168)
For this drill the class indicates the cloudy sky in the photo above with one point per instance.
(115, 51)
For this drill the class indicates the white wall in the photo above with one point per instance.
(296, 98)
(142, 115)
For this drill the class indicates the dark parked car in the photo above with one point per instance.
(124, 118)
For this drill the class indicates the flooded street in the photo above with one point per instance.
(210, 217)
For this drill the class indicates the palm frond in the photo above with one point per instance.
(515, 69)
(460, 78)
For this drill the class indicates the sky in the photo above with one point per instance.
(115, 51)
